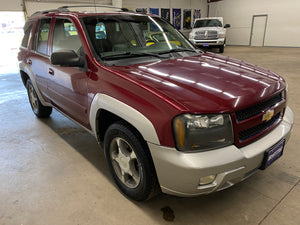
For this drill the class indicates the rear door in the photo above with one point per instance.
(68, 85)
(38, 57)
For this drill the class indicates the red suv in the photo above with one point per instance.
(170, 117)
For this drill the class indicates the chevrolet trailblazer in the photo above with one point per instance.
(171, 117)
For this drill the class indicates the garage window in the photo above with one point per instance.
(100, 31)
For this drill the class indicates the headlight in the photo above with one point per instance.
(191, 36)
(202, 132)
(221, 35)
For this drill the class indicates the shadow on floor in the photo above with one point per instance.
(81, 141)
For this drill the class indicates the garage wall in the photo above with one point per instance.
(283, 25)
(183, 4)
(11, 5)
(34, 5)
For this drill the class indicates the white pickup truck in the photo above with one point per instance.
(209, 32)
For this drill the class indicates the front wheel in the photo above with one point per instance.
(130, 162)
(38, 109)
(221, 48)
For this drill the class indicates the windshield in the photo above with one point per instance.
(115, 36)
(208, 23)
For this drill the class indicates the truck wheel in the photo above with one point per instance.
(130, 162)
(37, 107)
(221, 49)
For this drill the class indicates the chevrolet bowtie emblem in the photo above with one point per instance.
(268, 115)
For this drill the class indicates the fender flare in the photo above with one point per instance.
(124, 111)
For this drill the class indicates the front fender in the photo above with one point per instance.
(124, 111)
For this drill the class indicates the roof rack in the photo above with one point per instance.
(94, 6)
(66, 8)
(49, 11)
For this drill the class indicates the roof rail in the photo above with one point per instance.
(94, 6)
(50, 10)
(66, 9)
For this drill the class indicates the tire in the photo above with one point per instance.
(38, 109)
(130, 162)
(221, 49)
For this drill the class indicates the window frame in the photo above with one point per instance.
(36, 36)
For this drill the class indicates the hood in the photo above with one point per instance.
(207, 28)
(207, 83)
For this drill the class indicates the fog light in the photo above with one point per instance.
(207, 180)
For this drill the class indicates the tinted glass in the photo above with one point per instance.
(208, 23)
(65, 36)
(27, 33)
(42, 36)
(115, 34)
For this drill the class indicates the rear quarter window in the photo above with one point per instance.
(27, 33)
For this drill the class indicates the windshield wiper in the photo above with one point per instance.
(179, 50)
(124, 54)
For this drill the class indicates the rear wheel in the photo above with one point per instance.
(37, 107)
(130, 162)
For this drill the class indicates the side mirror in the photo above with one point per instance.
(67, 58)
(227, 26)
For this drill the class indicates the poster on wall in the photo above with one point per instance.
(153, 27)
(177, 18)
(154, 11)
(196, 15)
(165, 14)
(187, 13)
(141, 10)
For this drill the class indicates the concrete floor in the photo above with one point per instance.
(53, 172)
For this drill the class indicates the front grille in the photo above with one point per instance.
(206, 35)
(249, 124)
(206, 42)
(258, 108)
(253, 131)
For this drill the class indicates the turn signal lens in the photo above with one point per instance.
(179, 128)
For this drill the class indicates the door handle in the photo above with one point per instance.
(29, 62)
(51, 71)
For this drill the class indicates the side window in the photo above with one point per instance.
(42, 36)
(100, 31)
(27, 33)
(65, 36)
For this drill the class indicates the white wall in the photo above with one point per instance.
(11, 5)
(283, 26)
(176, 4)
(33, 6)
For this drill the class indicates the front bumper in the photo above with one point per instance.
(179, 173)
(214, 42)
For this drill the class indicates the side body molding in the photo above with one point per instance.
(126, 112)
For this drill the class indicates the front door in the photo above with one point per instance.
(68, 85)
